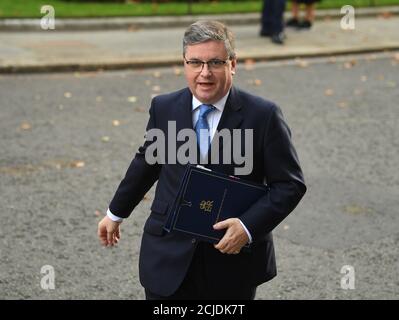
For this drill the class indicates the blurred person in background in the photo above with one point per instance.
(272, 22)
(307, 22)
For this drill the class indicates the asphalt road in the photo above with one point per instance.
(67, 139)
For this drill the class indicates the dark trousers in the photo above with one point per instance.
(199, 285)
(272, 16)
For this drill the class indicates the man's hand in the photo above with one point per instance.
(235, 237)
(108, 232)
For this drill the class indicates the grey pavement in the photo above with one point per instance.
(66, 140)
(140, 46)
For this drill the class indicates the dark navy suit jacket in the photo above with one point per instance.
(165, 257)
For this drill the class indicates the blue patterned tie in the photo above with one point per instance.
(202, 128)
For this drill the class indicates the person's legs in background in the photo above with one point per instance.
(267, 18)
(272, 20)
(309, 17)
(294, 20)
(307, 22)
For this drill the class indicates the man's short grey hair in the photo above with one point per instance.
(202, 31)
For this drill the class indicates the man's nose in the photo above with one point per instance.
(205, 70)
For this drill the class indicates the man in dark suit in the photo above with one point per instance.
(176, 266)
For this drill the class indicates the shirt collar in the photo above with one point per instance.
(218, 104)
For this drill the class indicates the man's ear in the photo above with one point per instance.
(233, 66)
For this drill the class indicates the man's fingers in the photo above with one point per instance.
(103, 241)
(223, 245)
(234, 238)
(110, 238)
(102, 234)
(108, 232)
(228, 244)
(220, 245)
(116, 237)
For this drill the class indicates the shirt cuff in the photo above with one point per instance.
(114, 217)
(246, 230)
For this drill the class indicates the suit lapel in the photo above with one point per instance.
(231, 116)
(184, 115)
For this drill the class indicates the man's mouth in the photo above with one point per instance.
(205, 84)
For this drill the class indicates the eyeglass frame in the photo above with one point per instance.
(206, 63)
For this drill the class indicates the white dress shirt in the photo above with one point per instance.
(213, 122)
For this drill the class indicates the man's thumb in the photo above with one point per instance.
(221, 225)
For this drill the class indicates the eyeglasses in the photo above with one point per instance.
(198, 65)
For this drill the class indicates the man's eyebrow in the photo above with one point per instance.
(204, 60)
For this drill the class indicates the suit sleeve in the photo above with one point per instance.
(139, 178)
(283, 175)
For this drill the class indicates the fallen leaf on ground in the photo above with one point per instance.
(332, 59)
(356, 209)
(105, 139)
(25, 126)
(349, 64)
(329, 92)
(67, 94)
(132, 99)
(385, 15)
(139, 109)
(115, 123)
(249, 64)
(133, 28)
(302, 63)
(78, 164)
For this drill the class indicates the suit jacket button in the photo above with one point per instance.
(193, 241)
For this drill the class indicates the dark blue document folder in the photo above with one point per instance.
(207, 197)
